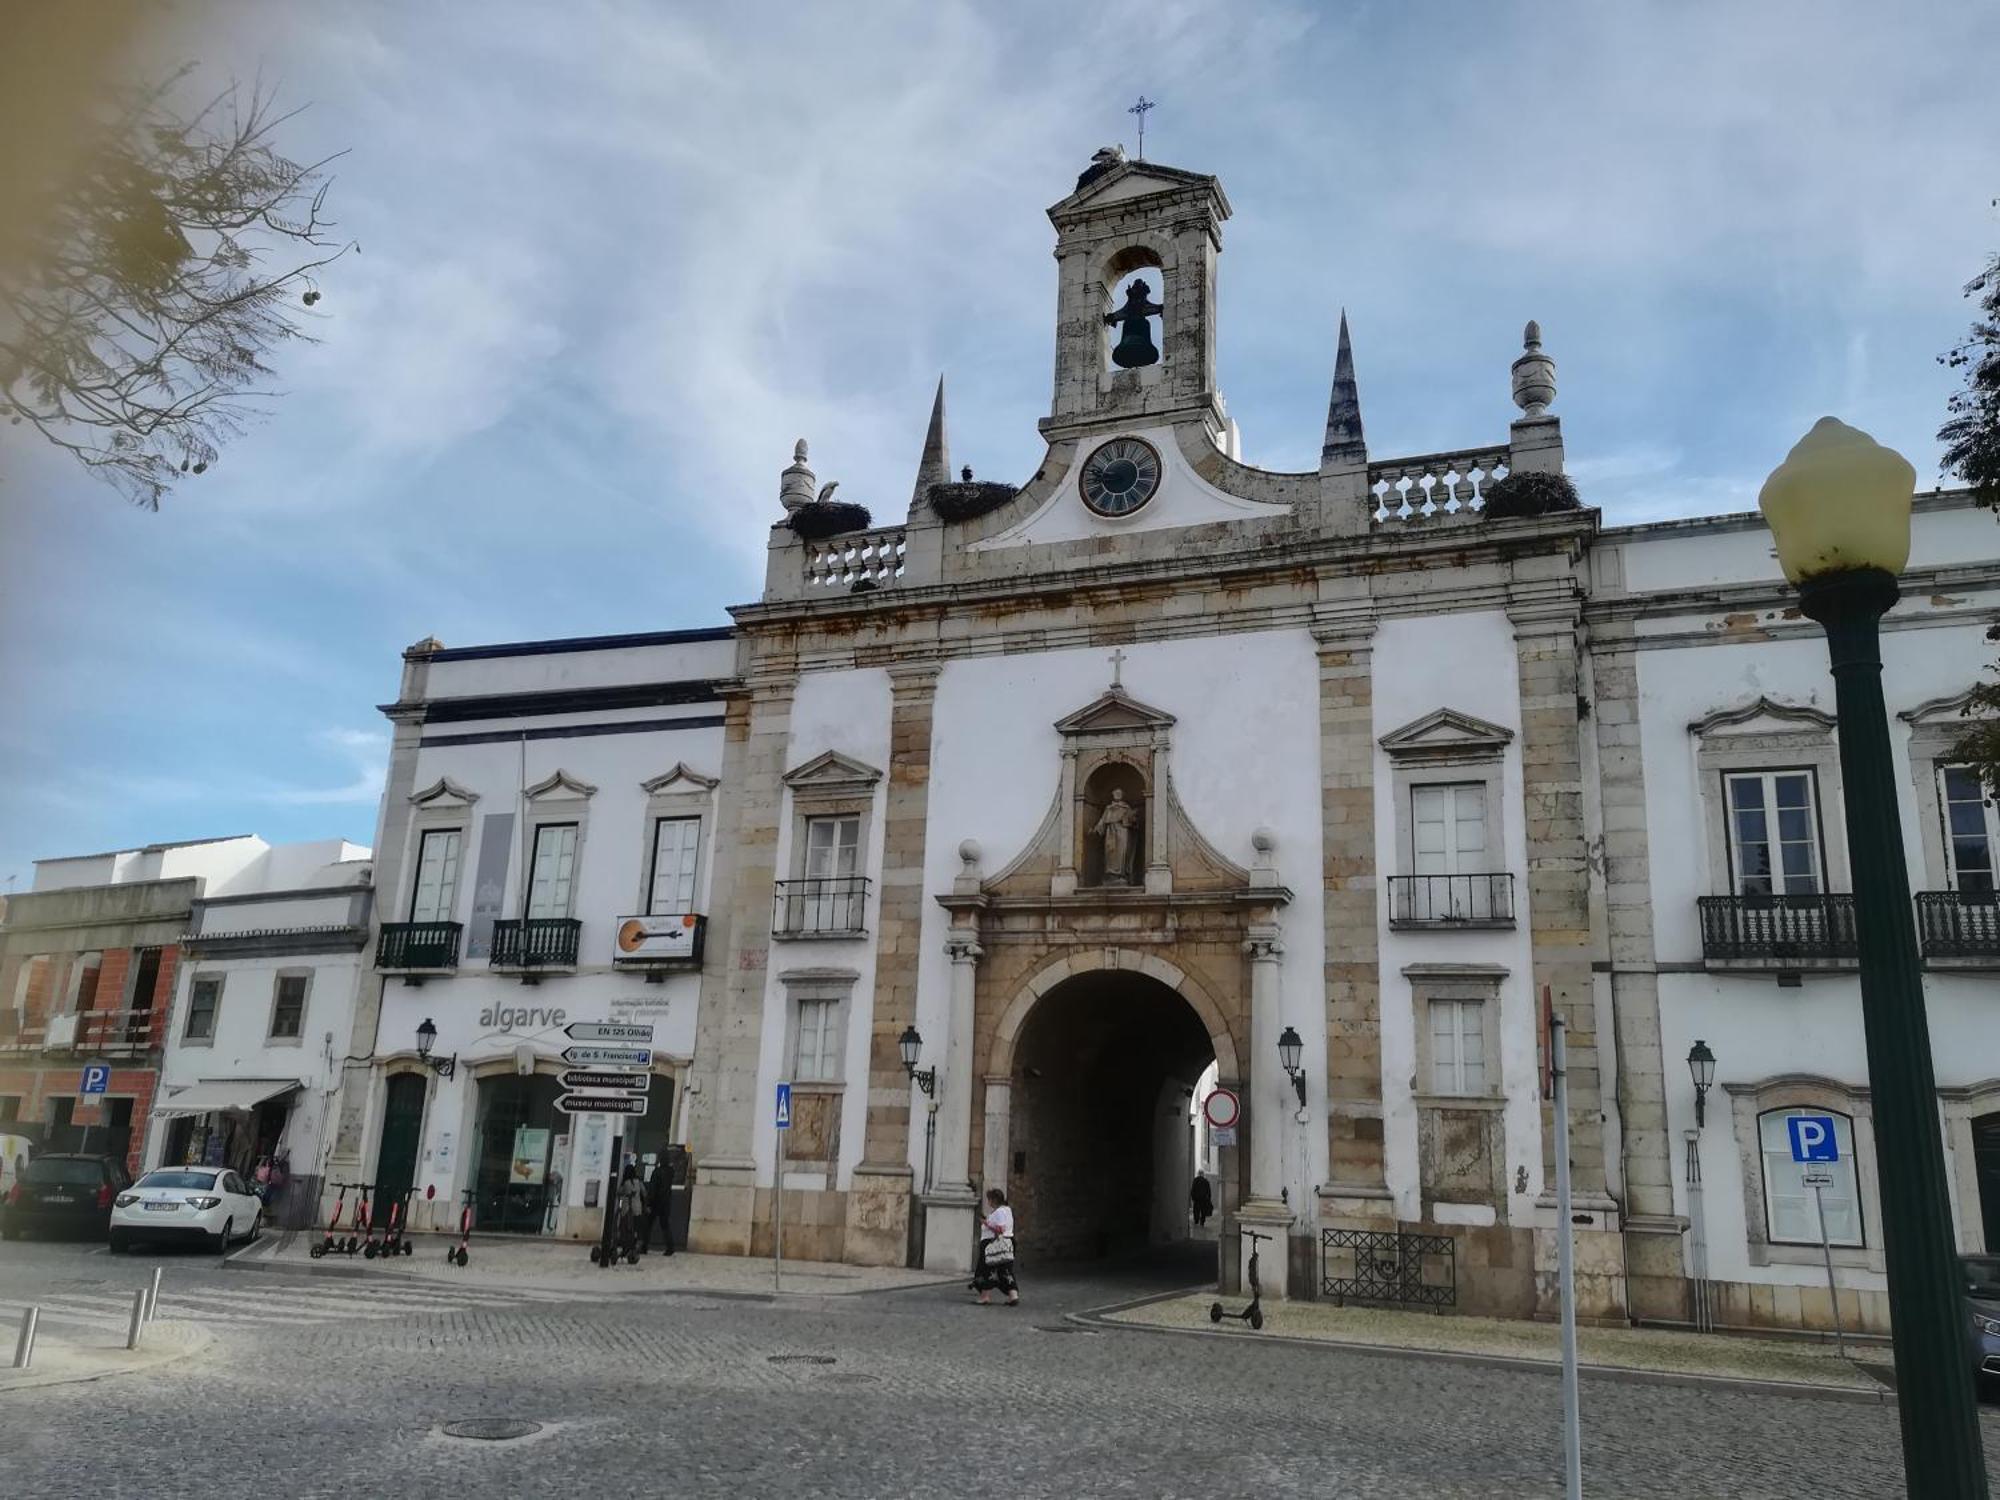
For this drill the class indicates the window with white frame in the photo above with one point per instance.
(1448, 856)
(1774, 843)
(816, 1054)
(1970, 831)
(204, 1000)
(1458, 1047)
(1790, 1215)
(437, 875)
(832, 900)
(676, 849)
(288, 1007)
(552, 875)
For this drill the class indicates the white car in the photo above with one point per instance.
(210, 1204)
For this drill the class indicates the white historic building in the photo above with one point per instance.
(1088, 789)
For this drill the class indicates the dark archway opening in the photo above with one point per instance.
(1102, 1147)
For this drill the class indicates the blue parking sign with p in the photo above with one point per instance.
(1813, 1138)
(96, 1078)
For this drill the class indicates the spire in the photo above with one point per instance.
(935, 466)
(1344, 444)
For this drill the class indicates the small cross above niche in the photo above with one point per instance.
(1118, 670)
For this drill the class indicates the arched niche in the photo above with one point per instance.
(1113, 779)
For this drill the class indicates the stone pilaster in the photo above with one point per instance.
(950, 1205)
(1558, 882)
(878, 1202)
(723, 1095)
(1268, 1116)
(1353, 970)
(1653, 1254)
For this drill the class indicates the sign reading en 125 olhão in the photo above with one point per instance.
(1813, 1138)
(609, 1031)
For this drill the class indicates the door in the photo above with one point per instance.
(1986, 1165)
(515, 1137)
(402, 1131)
(553, 877)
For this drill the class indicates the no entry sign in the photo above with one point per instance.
(1223, 1109)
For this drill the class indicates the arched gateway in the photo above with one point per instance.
(1088, 1078)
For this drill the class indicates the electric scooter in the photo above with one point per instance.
(459, 1254)
(396, 1239)
(359, 1228)
(331, 1241)
(1254, 1313)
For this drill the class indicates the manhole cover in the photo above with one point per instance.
(800, 1359)
(492, 1429)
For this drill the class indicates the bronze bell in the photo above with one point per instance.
(1135, 345)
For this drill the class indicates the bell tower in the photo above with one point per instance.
(1136, 245)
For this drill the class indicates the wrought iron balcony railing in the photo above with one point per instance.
(834, 906)
(1451, 900)
(418, 945)
(1959, 924)
(1776, 930)
(535, 943)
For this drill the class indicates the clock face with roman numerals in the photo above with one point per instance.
(1120, 476)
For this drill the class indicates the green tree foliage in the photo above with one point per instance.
(1971, 438)
(136, 321)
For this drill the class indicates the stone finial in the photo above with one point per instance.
(1534, 374)
(798, 484)
(967, 882)
(969, 853)
(425, 647)
(935, 465)
(1264, 866)
(1344, 445)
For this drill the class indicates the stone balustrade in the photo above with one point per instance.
(841, 562)
(1435, 485)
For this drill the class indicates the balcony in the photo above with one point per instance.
(1778, 932)
(1959, 928)
(1430, 902)
(414, 949)
(535, 944)
(114, 1030)
(829, 907)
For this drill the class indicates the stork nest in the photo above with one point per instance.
(1530, 494)
(819, 519)
(963, 502)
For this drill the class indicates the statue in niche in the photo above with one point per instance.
(1135, 345)
(1118, 828)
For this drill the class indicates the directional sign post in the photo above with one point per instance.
(601, 1104)
(609, 1031)
(784, 1124)
(1817, 1148)
(579, 1078)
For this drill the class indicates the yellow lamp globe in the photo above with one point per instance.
(1838, 502)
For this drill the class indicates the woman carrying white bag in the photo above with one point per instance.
(996, 1251)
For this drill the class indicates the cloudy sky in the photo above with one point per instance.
(614, 257)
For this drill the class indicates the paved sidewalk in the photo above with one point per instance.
(61, 1360)
(565, 1265)
(1774, 1363)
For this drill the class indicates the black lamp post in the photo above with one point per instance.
(427, 1035)
(912, 1044)
(1701, 1064)
(1839, 509)
(1290, 1051)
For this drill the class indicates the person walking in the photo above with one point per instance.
(1202, 1199)
(996, 1251)
(661, 1192)
(631, 1213)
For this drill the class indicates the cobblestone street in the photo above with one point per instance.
(901, 1393)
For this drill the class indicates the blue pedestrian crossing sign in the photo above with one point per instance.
(1813, 1138)
(784, 1106)
(96, 1078)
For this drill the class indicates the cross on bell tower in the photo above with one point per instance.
(1142, 109)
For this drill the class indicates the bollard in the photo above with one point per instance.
(153, 1295)
(24, 1347)
(138, 1318)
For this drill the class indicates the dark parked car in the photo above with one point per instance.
(1982, 1311)
(64, 1194)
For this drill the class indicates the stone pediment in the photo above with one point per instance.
(1446, 734)
(1764, 716)
(444, 792)
(1939, 710)
(558, 783)
(1114, 713)
(833, 774)
(1138, 179)
(682, 778)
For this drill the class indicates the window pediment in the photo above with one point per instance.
(1763, 716)
(834, 775)
(1939, 711)
(1446, 735)
(1114, 713)
(442, 793)
(558, 784)
(682, 778)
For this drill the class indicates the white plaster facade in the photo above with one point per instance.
(1293, 673)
